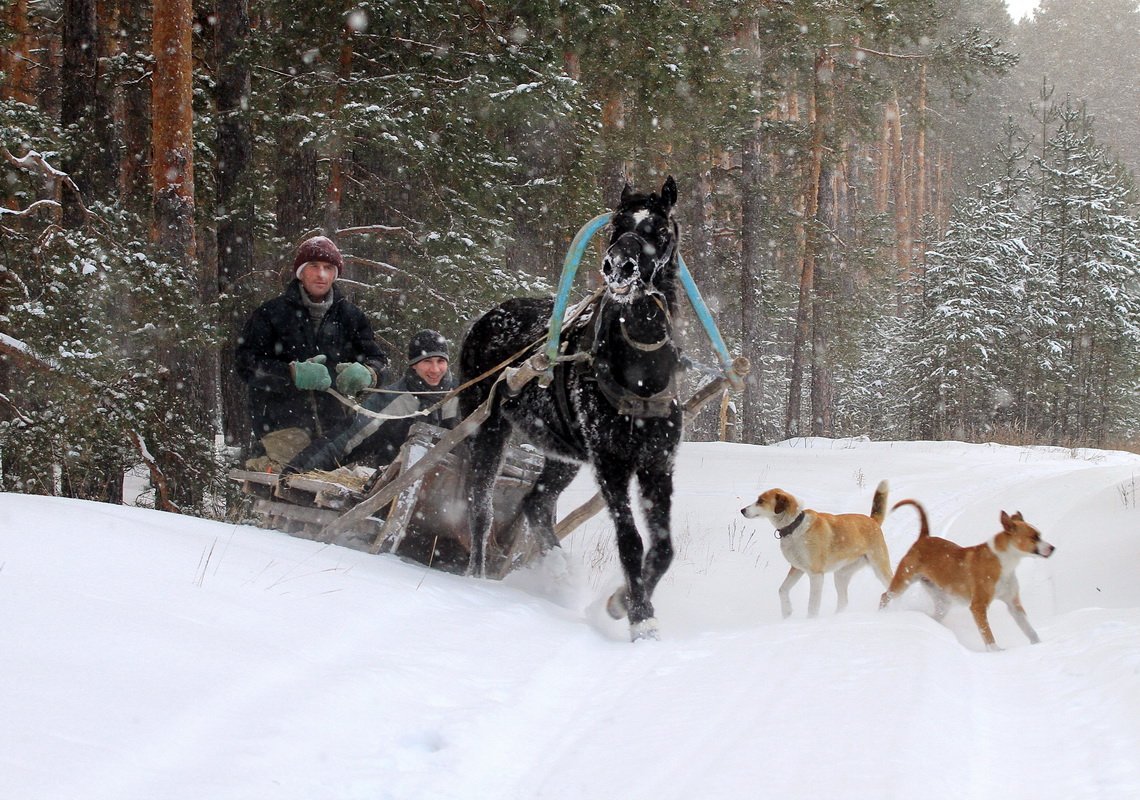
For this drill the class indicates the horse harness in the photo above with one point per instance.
(590, 368)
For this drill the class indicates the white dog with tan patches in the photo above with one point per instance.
(976, 575)
(818, 543)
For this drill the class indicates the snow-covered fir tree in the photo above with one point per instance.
(1028, 319)
(1086, 244)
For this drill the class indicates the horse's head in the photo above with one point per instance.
(642, 252)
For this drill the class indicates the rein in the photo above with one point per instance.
(574, 314)
(423, 412)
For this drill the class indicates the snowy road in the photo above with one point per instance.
(147, 656)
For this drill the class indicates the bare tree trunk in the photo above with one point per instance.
(103, 131)
(811, 244)
(85, 115)
(822, 422)
(14, 59)
(883, 167)
(920, 172)
(903, 236)
(134, 174)
(754, 243)
(700, 226)
(336, 151)
(235, 204)
(47, 81)
(172, 172)
(613, 170)
(77, 112)
(297, 171)
(938, 192)
(824, 251)
(172, 175)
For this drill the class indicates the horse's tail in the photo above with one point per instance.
(879, 502)
(924, 531)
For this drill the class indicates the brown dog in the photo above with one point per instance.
(975, 575)
(818, 543)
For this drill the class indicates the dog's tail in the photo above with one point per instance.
(879, 503)
(924, 531)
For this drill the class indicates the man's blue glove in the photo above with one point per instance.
(352, 377)
(311, 374)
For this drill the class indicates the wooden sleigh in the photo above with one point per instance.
(425, 519)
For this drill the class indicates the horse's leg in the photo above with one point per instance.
(613, 479)
(656, 490)
(656, 487)
(540, 503)
(487, 448)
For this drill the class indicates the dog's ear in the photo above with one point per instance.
(781, 503)
(1007, 520)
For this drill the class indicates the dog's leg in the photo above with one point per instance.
(1022, 619)
(816, 582)
(843, 577)
(940, 600)
(880, 563)
(978, 608)
(907, 571)
(785, 588)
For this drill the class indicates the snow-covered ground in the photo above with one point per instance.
(147, 656)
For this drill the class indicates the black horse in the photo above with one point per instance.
(612, 403)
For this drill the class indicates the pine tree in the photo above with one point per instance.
(1087, 241)
(1088, 49)
(968, 338)
(1028, 326)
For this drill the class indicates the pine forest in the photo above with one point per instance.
(917, 219)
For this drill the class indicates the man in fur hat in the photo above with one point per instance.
(296, 345)
(375, 440)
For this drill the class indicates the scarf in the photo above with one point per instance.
(317, 310)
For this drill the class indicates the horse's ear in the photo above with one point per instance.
(669, 192)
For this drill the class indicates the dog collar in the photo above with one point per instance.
(787, 530)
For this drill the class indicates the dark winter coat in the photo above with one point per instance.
(281, 331)
(371, 441)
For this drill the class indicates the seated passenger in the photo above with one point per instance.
(295, 346)
(373, 441)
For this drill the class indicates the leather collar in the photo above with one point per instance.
(789, 529)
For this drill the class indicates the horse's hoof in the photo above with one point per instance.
(644, 630)
(618, 604)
